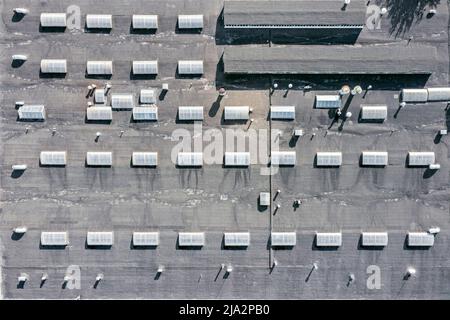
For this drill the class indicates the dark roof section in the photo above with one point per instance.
(373, 59)
(290, 13)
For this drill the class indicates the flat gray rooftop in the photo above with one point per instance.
(289, 13)
(214, 199)
(369, 59)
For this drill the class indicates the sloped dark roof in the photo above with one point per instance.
(305, 12)
(371, 59)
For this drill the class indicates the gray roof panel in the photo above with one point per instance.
(288, 13)
(339, 59)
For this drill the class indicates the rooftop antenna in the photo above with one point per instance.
(410, 271)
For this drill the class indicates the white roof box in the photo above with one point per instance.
(145, 67)
(374, 158)
(237, 159)
(420, 159)
(236, 239)
(99, 21)
(145, 239)
(328, 239)
(283, 158)
(99, 158)
(145, 113)
(54, 238)
(439, 94)
(287, 239)
(190, 67)
(414, 95)
(57, 20)
(374, 239)
(192, 21)
(122, 101)
(104, 238)
(328, 101)
(236, 113)
(190, 159)
(54, 66)
(192, 239)
(145, 21)
(328, 159)
(53, 158)
(373, 112)
(190, 113)
(282, 112)
(99, 67)
(144, 159)
(99, 113)
(420, 239)
(31, 112)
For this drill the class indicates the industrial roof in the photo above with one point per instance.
(339, 59)
(294, 13)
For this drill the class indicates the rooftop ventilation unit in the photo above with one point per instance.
(420, 239)
(374, 158)
(145, 113)
(328, 101)
(236, 113)
(145, 67)
(414, 95)
(374, 239)
(236, 239)
(145, 239)
(99, 159)
(190, 159)
(147, 96)
(420, 159)
(56, 20)
(99, 67)
(53, 158)
(373, 112)
(237, 159)
(144, 159)
(283, 158)
(194, 67)
(282, 112)
(104, 238)
(193, 21)
(99, 21)
(328, 159)
(31, 112)
(190, 113)
(122, 101)
(54, 238)
(191, 239)
(439, 94)
(287, 239)
(53, 66)
(99, 113)
(145, 21)
(328, 239)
